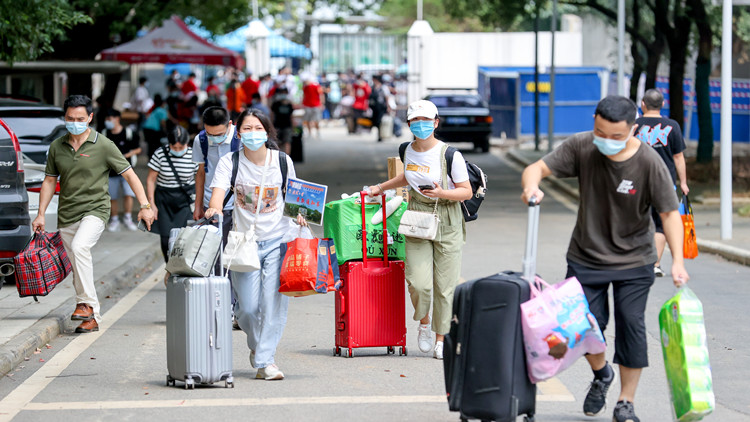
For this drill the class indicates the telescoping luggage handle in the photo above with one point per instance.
(532, 237)
(362, 195)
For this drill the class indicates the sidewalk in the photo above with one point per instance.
(120, 260)
(707, 215)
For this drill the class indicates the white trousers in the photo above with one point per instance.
(78, 239)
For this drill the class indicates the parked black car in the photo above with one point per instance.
(464, 117)
(35, 123)
(15, 223)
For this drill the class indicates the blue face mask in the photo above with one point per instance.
(254, 140)
(422, 129)
(178, 153)
(76, 128)
(216, 140)
(611, 146)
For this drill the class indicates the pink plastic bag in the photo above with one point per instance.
(555, 318)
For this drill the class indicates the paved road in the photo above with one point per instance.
(119, 373)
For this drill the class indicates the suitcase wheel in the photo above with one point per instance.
(337, 351)
(349, 354)
(228, 384)
(391, 350)
(529, 418)
(189, 384)
(402, 351)
(170, 381)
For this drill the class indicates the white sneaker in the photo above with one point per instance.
(424, 338)
(438, 352)
(270, 373)
(130, 225)
(114, 225)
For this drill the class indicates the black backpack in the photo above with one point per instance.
(477, 179)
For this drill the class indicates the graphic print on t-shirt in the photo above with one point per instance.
(654, 135)
(418, 169)
(626, 187)
(248, 201)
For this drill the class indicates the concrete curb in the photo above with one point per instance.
(730, 253)
(43, 331)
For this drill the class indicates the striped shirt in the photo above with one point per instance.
(184, 165)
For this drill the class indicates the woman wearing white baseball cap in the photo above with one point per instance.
(433, 267)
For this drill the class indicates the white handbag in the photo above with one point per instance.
(242, 248)
(242, 251)
(422, 225)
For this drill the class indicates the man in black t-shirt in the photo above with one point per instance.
(620, 179)
(665, 136)
(281, 111)
(128, 143)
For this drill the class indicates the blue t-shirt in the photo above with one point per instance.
(153, 121)
(215, 152)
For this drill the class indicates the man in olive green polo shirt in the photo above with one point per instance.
(82, 160)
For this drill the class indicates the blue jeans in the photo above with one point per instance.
(261, 310)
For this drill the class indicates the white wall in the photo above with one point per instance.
(450, 60)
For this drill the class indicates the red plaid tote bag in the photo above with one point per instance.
(42, 265)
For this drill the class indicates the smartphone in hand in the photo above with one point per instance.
(142, 226)
(426, 187)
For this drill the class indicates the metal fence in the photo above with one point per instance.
(370, 53)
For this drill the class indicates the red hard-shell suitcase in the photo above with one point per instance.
(370, 307)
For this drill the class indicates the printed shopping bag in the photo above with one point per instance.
(683, 343)
(307, 267)
(690, 244)
(343, 224)
(558, 328)
(194, 251)
(42, 265)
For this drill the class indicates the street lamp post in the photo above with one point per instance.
(551, 123)
(620, 47)
(725, 178)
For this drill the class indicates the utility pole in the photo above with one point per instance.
(536, 77)
(551, 128)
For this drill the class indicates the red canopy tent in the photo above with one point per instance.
(173, 42)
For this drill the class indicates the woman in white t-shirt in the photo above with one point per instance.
(433, 267)
(261, 310)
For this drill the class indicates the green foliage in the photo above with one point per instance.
(27, 29)
(401, 14)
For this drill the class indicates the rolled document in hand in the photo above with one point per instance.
(390, 207)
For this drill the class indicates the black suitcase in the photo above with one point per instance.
(297, 154)
(484, 359)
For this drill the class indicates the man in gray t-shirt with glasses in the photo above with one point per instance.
(620, 179)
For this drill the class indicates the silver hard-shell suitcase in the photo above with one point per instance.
(199, 330)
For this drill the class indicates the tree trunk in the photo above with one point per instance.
(678, 45)
(655, 52)
(636, 53)
(702, 72)
(705, 118)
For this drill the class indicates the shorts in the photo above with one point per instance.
(657, 221)
(285, 135)
(630, 290)
(118, 188)
(312, 114)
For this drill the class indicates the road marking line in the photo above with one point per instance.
(255, 402)
(22, 395)
(554, 388)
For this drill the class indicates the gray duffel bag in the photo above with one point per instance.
(194, 251)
